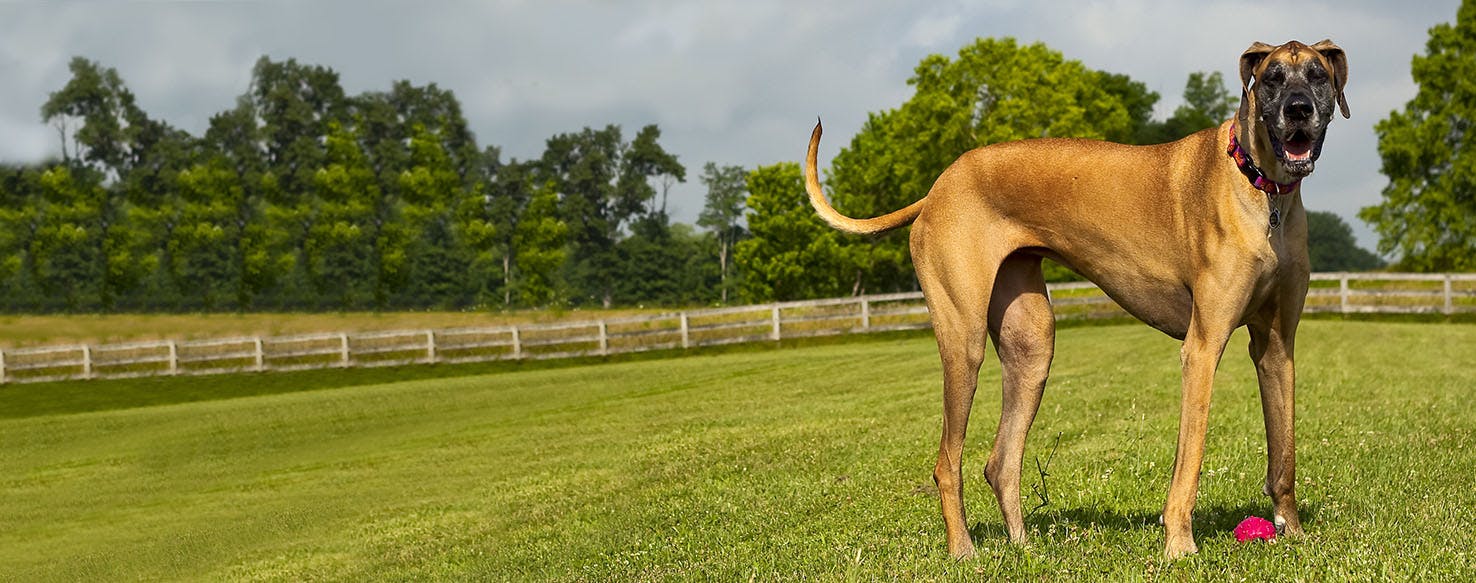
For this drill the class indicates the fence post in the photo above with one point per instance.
(604, 340)
(260, 354)
(3, 378)
(865, 313)
(1449, 301)
(344, 351)
(517, 344)
(430, 346)
(686, 335)
(1343, 293)
(775, 334)
(86, 361)
(173, 358)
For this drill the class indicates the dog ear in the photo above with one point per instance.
(1339, 61)
(1250, 59)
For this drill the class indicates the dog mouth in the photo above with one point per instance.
(1297, 150)
(1297, 147)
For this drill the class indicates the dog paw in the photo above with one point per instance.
(962, 551)
(1178, 549)
(1289, 528)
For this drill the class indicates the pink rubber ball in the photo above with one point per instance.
(1255, 527)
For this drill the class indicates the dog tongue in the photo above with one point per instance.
(1298, 150)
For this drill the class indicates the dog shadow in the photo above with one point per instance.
(1209, 519)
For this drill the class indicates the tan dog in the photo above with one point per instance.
(1180, 235)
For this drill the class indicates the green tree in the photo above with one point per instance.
(426, 162)
(1207, 103)
(604, 182)
(69, 249)
(583, 168)
(90, 113)
(698, 278)
(149, 182)
(439, 112)
(665, 264)
(1331, 245)
(489, 225)
(792, 253)
(439, 269)
(387, 122)
(417, 243)
(21, 207)
(263, 253)
(116, 152)
(383, 136)
(650, 263)
(727, 191)
(342, 250)
(296, 104)
(1428, 215)
(157, 154)
(1136, 99)
(643, 160)
(540, 237)
(203, 235)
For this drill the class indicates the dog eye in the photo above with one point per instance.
(1273, 77)
(1316, 74)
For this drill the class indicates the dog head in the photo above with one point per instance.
(1284, 114)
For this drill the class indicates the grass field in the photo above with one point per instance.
(803, 463)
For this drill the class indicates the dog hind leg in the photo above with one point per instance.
(1024, 332)
(956, 285)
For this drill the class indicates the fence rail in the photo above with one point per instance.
(1330, 292)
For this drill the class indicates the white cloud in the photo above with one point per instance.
(27, 142)
(933, 30)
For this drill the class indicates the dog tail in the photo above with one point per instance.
(872, 226)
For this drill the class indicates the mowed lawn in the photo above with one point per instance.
(802, 463)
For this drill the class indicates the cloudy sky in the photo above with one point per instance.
(731, 82)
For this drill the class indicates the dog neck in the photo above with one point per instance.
(1248, 167)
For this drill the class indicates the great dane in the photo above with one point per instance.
(1196, 238)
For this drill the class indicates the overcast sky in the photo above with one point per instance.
(730, 82)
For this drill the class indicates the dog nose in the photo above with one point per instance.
(1299, 107)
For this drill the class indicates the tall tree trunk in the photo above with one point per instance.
(506, 279)
(723, 269)
(61, 129)
(243, 293)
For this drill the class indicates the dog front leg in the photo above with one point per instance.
(1201, 353)
(1271, 349)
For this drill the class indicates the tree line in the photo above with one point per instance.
(301, 197)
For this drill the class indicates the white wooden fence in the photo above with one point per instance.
(1330, 292)
(1392, 293)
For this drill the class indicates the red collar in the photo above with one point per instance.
(1254, 174)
